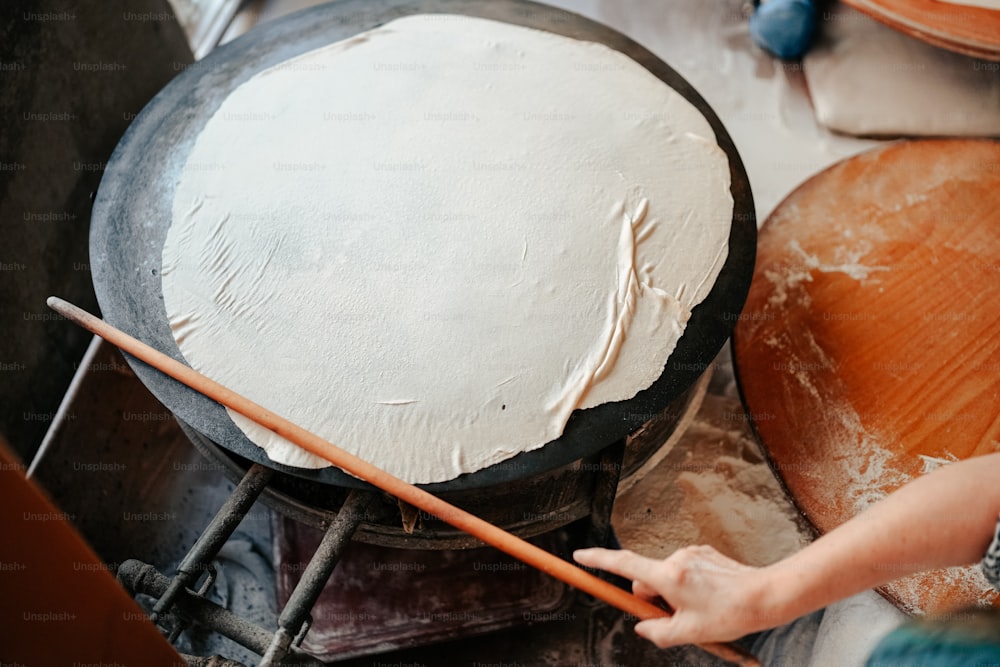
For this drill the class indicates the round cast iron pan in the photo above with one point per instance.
(132, 212)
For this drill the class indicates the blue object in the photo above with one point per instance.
(928, 646)
(784, 27)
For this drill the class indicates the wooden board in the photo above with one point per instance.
(974, 31)
(61, 603)
(869, 349)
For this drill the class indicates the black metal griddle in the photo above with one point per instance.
(132, 213)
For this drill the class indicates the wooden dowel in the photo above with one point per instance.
(457, 517)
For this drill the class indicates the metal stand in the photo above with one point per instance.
(218, 531)
(293, 624)
(599, 533)
(176, 595)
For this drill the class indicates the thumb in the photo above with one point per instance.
(661, 631)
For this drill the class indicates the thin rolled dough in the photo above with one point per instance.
(432, 242)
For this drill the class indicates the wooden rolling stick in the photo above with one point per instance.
(485, 531)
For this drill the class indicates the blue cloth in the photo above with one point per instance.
(928, 646)
(784, 28)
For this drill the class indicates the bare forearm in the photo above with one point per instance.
(943, 519)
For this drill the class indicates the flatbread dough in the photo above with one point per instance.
(432, 242)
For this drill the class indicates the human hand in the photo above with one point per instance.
(713, 598)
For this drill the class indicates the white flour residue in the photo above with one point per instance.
(713, 488)
(783, 282)
(738, 508)
(932, 463)
(870, 480)
(849, 261)
(805, 380)
(803, 370)
(819, 353)
(969, 579)
(865, 463)
(864, 474)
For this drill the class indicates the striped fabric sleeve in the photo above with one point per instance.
(991, 561)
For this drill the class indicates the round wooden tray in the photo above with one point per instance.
(973, 31)
(869, 349)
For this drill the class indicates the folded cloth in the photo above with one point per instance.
(869, 80)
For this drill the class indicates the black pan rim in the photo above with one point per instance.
(128, 229)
